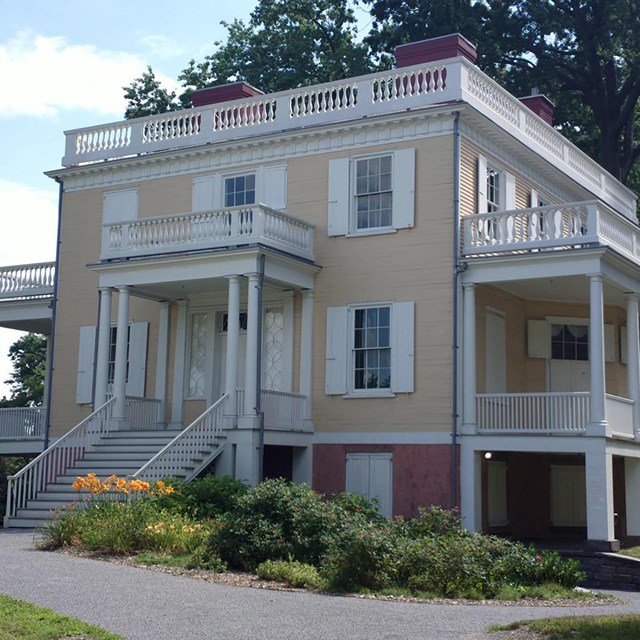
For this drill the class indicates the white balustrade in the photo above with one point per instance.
(533, 412)
(282, 410)
(143, 414)
(177, 457)
(619, 412)
(208, 230)
(310, 101)
(27, 280)
(567, 225)
(60, 456)
(22, 423)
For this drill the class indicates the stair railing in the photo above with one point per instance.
(178, 456)
(54, 461)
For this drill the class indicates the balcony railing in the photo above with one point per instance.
(565, 226)
(449, 81)
(27, 280)
(553, 412)
(22, 423)
(231, 227)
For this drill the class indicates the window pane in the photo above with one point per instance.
(372, 355)
(385, 316)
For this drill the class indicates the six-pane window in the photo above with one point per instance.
(493, 190)
(373, 192)
(569, 342)
(240, 190)
(372, 348)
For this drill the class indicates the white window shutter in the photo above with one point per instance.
(538, 339)
(370, 475)
(338, 213)
(609, 343)
(337, 351)
(497, 494)
(402, 347)
(357, 473)
(623, 345)
(274, 187)
(509, 191)
(119, 206)
(482, 184)
(137, 358)
(534, 199)
(86, 353)
(404, 186)
(202, 195)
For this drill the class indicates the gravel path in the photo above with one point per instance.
(150, 605)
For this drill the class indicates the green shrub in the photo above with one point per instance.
(356, 504)
(295, 574)
(276, 520)
(435, 521)
(202, 498)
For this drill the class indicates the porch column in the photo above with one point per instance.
(178, 365)
(599, 484)
(161, 360)
(632, 495)
(598, 423)
(306, 350)
(633, 359)
(470, 488)
(233, 336)
(120, 369)
(47, 374)
(102, 355)
(251, 369)
(469, 418)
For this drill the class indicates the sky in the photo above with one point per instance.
(62, 66)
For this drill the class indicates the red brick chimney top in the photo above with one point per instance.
(434, 49)
(224, 93)
(540, 105)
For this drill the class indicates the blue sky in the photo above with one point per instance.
(63, 64)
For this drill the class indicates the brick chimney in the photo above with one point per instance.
(441, 48)
(224, 93)
(540, 105)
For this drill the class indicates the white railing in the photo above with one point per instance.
(64, 453)
(533, 412)
(556, 226)
(143, 414)
(208, 230)
(447, 81)
(201, 437)
(282, 410)
(22, 423)
(619, 412)
(27, 280)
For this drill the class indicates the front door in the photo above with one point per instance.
(569, 363)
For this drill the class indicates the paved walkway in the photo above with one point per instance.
(148, 605)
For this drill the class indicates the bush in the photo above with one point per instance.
(295, 574)
(356, 504)
(276, 520)
(435, 521)
(202, 498)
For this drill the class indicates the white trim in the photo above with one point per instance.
(382, 437)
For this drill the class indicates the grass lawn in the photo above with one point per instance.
(23, 621)
(622, 627)
(634, 552)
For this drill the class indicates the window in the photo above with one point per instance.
(496, 188)
(370, 349)
(240, 190)
(112, 353)
(197, 355)
(569, 342)
(224, 322)
(371, 194)
(493, 190)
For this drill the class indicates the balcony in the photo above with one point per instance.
(22, 430)
(27, 281)
(208, 230)
(555, 227)
(556, 413)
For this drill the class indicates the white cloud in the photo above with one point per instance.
(159, 46)
(41, 76)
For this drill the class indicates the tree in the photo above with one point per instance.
(584, 54)
(285, 44)
(28, 357)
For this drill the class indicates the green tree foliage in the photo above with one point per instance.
(146, 96)
(28, 357)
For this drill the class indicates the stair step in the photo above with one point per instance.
(111, 458)
(24, 523)
(141, 434)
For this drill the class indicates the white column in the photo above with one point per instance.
(599, 481)
(251, 368)
(633, 359)
(233, 336)
(470, 488)
(597, 424)
(120, 369)
(47, 375)
(104, 341)
(306, 349)
(162, 358)
(178, 365)
(469, 418)
(632, 495)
